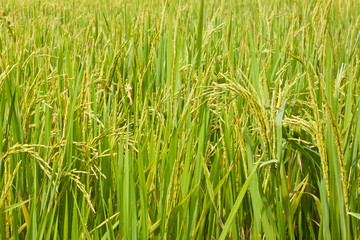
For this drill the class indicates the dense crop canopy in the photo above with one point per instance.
(179, 119)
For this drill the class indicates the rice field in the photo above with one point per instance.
(165, 119)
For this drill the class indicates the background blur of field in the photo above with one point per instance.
(179, 119)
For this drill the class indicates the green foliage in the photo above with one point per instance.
(179, 119)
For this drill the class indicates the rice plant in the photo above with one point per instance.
(158, 119)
